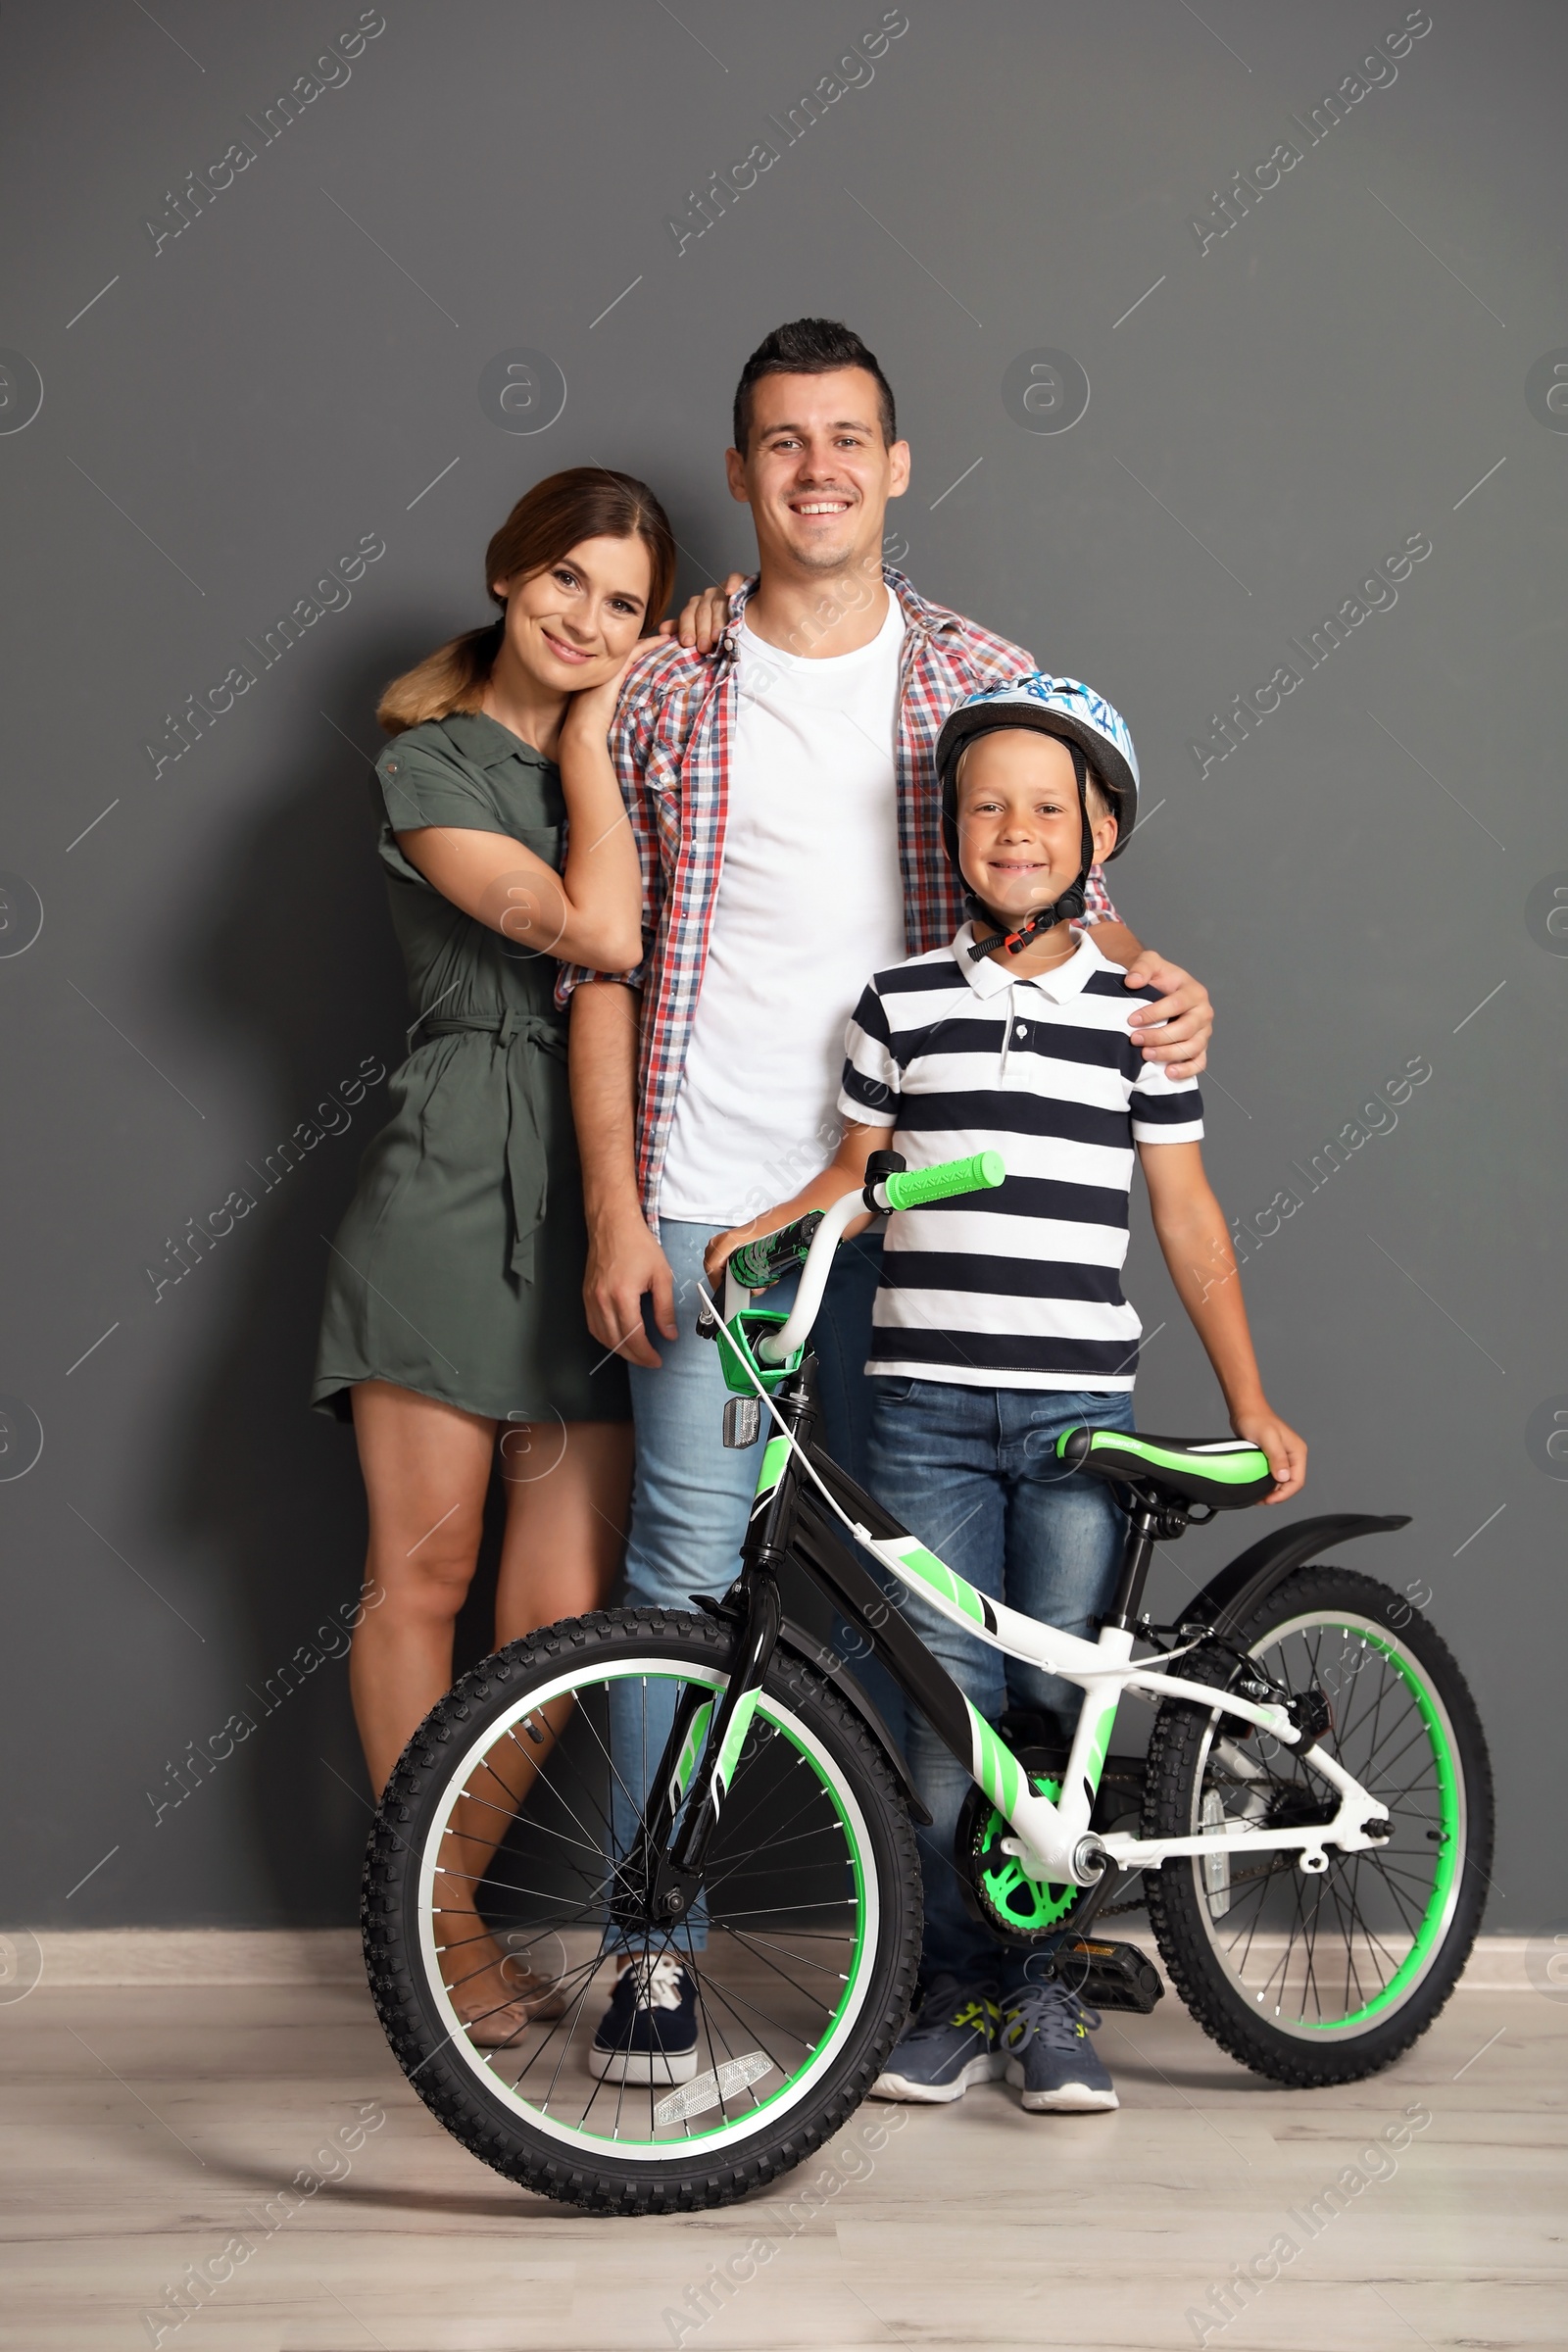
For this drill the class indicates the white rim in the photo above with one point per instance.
(735, 2129)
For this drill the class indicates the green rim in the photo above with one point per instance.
(1331, 1924)
(1446, 1878)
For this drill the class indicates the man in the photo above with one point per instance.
(703, 1083)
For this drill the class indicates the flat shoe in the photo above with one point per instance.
(534, 1997)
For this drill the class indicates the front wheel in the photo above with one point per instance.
(508, 1839)
(1319, 1980)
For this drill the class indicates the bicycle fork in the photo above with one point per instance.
(703, 1746)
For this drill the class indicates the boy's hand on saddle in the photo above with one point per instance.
(1286, 1452)
(625, 1265)
(704, 616)
(1184, 1009)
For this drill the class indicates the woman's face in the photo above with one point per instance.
(572, 624)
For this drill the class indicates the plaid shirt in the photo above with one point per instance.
(672, 745)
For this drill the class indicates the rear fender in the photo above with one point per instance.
(1228, 1600)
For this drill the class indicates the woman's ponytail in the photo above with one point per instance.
(452, 678)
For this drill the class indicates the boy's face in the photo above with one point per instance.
(1020, 833)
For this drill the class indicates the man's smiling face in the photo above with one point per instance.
(816, 471)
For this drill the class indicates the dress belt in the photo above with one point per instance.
(523, 1037)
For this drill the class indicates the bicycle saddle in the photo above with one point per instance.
(1226, 1472)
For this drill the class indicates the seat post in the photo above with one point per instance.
(1138, 1552)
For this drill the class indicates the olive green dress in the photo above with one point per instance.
(457, 1269)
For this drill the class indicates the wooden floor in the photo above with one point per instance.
(145, 2126)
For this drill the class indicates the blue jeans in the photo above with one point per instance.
(974, 1474)
(692, 1494)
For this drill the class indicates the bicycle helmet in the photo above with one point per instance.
(1096, 735)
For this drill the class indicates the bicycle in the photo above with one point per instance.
(1311, 1822)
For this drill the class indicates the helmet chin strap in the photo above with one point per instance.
(1065, 909)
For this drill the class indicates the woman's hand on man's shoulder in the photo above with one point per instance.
(704, 616)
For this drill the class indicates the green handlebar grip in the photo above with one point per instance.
(758, 1264)
(915, 1186)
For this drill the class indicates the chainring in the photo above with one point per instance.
(998, 1891)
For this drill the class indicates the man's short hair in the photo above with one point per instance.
(809, 347)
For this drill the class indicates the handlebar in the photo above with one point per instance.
(756, 1264)
(817, 1236)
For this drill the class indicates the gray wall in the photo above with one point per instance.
(1366, 880)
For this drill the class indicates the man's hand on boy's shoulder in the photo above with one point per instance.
(1181, 1019)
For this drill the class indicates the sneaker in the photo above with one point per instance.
(950, 2042)
(1050, 2057)
(649, 2032)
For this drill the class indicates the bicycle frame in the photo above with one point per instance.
(801, 1491)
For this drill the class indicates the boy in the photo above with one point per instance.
(1000, 1320)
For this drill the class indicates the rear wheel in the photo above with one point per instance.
(802, 1950)
(1313, 1979)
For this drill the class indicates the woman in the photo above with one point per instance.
(454, 1306)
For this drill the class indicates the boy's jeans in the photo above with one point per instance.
(974, 1474)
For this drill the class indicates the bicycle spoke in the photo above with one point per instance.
(459, 1982)
(806, 1994)
(713, 2025)
(750, 1942)
(841, 1903)
(539, 1829)
(466, 1877)
(738, 2002)
(772, 1844)
(1418, 1731)
(483, 2015)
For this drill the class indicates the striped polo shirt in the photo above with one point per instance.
(1019, 1288)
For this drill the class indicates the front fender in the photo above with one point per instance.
(1229, 1598)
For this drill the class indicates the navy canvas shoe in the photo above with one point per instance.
(649, 2032)
(951, 2041)
(1050, 2057)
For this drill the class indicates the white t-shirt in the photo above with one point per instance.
(811, 899)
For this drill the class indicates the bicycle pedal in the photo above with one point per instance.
(1110, 1976)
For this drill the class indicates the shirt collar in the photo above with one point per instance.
(988, 978)
(486, 742)
(920, 618)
